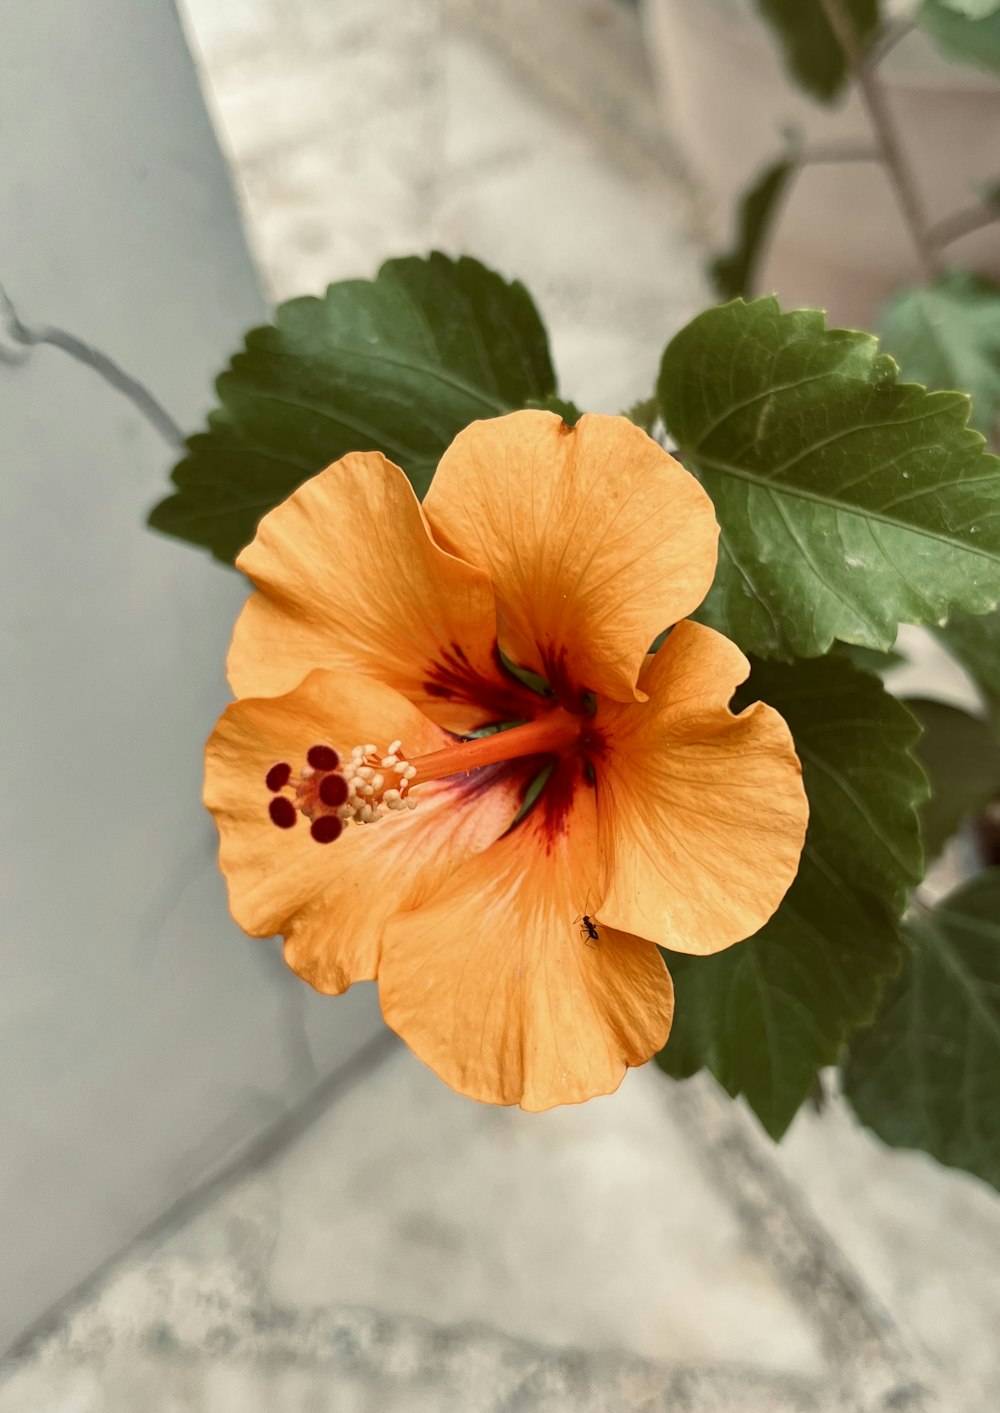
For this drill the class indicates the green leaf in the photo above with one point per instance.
(961, 755)
(767, 1014)
(812, 55)
(734, 273)
(972, 41)
(398, 364)
(974, 641)
(927, 1073)
(947, 335)
(563, 408)
(644, 413)
(848, 502)
(973, 9)
(870, 659)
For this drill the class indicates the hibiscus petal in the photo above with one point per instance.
(702, 813)
(331, 901)
(496, 985)
(595, 539)
(348, 577)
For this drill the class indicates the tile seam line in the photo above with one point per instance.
(280, 1333)
(255, 1155)
(858, 1333)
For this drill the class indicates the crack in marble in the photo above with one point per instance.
(106, 368)
(254, 1157)
(861, 1340)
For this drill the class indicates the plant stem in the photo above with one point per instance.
(886, 42)
(884, 131)
(973, 218)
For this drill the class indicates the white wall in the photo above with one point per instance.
(144, 1040)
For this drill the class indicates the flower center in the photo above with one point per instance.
(330, 792)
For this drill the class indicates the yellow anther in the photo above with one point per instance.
(368, 771)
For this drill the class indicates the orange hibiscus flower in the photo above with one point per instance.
(367, 815)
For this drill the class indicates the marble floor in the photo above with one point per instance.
(406, 1250)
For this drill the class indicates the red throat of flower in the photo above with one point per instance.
(330, 791)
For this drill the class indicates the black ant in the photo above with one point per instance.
(588, 930)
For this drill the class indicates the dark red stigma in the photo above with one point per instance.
(327, 828)
(283, 813)
(321, 785)
(323, 758)
(333, 790)
(278, 777)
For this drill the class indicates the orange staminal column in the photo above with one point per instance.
(551, 734)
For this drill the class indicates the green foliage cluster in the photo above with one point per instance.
(861, 496)
(947, 335)
(967, 30)
(850, 502)
(945, 331)
(926, 1075)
